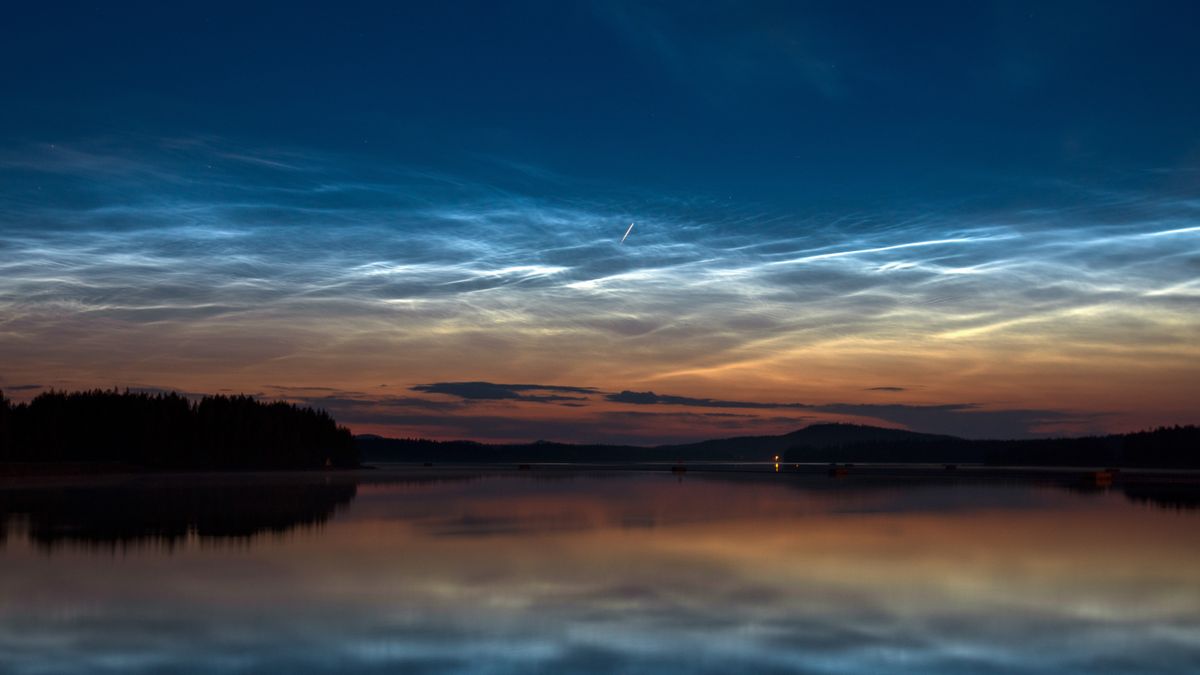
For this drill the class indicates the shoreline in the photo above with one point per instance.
(1090, 474)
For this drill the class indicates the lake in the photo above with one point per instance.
(443, 570)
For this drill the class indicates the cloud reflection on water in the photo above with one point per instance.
(638, 573)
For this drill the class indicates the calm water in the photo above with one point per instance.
(572, 572)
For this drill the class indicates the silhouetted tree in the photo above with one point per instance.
(170, 431)
(5, 427)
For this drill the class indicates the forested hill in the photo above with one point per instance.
(1166, 447)
(170, 431)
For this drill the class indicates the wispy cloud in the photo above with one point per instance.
(277, 257)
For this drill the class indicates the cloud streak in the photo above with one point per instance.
(514, 392)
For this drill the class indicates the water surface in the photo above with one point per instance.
(557, 571)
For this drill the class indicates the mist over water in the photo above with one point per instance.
(497, 571)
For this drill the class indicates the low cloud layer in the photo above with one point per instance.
(526, 412)
(514, 392)
(651, 398)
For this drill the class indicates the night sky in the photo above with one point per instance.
(964, 217)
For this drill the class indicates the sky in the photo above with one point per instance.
(974, 218)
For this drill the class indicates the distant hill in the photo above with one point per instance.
(1168, 447)
(739, 448)
(1165, 447)
(815, 436)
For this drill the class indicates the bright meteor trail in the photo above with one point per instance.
(627, 233)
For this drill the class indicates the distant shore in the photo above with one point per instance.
(847, 470)
(837, 470)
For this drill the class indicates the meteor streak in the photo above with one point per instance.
(627, 233)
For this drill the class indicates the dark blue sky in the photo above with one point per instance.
(781, 102)
(971, 217)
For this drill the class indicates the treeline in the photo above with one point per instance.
(1166, 447)
(379, 449)
(169, 431)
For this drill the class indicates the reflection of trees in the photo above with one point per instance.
(166, 515)
(239, 508)
(1174, 491)
(1174, 496)
(1161, 492)
(214, 509)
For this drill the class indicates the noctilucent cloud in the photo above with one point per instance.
(971, 218)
